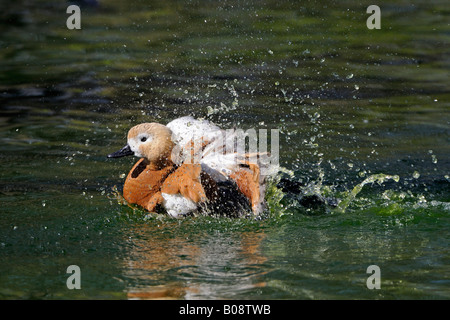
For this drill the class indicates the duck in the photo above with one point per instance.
(185, 168)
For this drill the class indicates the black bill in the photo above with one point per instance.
(125, 151)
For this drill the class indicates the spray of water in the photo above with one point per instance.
(378, 178)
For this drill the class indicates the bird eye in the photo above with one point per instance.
(143, 139)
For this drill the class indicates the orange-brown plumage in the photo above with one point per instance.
(143, 185)
(247, 180)
(186, 181)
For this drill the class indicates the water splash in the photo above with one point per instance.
(378, 178)
(274, 195)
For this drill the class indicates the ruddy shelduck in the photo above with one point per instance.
(184, 168)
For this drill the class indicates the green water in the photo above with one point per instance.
(363, 118)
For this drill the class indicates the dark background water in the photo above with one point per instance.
(349, 103)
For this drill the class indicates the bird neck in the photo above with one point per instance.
(159, 163)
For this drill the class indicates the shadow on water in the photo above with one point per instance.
(363, 120)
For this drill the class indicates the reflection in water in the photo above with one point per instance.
(161, 265)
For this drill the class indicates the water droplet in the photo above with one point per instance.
(349, 76)
(331, 165)
(416, 175)
(210, 110)
(433, 158)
